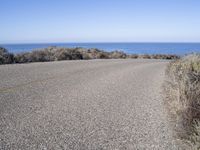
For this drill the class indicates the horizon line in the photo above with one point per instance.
(99, 42)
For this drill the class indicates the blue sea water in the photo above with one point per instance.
(130, 48)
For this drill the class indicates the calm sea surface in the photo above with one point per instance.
(131, 48)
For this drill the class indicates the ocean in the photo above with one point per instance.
(130, 48)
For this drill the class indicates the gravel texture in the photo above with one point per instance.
(84, 105)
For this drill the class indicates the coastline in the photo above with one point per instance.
(180, 48)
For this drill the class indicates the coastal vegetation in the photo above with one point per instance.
(5, 56)
(58, 53)
(183, 98)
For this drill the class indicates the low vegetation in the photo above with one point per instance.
(5, 56)
(183, 98)
(56, 54)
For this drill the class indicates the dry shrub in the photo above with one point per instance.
(117, 55)
(133, 56)
(34, 56)
(97, 54)
(57, 53)
(161, 56)
(67, 54)
(145, 56)
(5, 56)
(22, 58)
(183, 98)
(48, 54)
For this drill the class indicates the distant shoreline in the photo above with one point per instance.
(127, 47)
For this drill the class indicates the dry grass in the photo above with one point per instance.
(183, 98)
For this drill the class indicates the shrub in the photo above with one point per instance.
(67, 54)
(118, 55)
(39, 56)
(22, 58)
(159, 56)
(183, 98)
(5, 56)
(97, 54)
(56, 54)
(48, 54)
(134, 56)
(145, 56)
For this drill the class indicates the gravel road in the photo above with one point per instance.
(84, 105)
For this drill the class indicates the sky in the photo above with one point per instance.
(43, 21)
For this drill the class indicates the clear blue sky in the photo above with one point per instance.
(28, 21)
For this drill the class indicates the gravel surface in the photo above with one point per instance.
(84, 105)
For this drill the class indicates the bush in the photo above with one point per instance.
(56, 54)
(22, 58)
(97, 54)
(158, 56)
(5, 56)
(183, 98)
(118, 55)
(145, 56)
(48, 54)
(134, 56)
(67, 54)
(161, 56)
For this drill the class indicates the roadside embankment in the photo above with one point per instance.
(183, 98)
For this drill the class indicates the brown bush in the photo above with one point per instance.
(67, 54)
(134, 56)
(97, 54)
(145, 56)
(118, 55)
(56, 54)
(183, 98)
